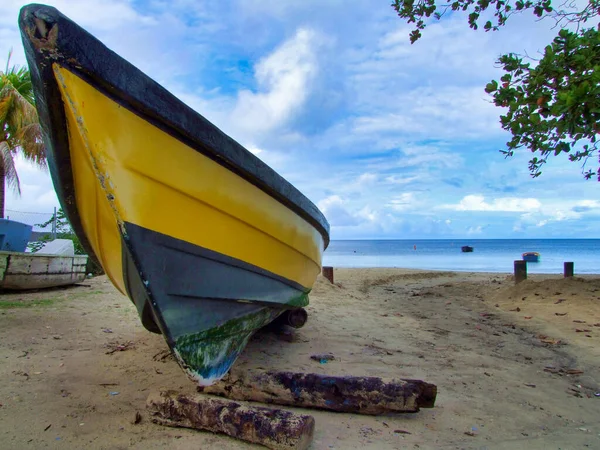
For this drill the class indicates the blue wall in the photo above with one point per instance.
(14, 235)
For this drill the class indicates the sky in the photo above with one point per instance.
(390, 140)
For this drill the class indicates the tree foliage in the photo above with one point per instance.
(20, 131)
(553, 104)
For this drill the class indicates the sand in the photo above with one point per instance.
(516, 366)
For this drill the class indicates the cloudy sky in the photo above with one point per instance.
(389, 139)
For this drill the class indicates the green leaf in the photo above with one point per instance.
(552, 107)
(491, 87)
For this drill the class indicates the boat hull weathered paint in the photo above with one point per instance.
(22, 271)
(531, 256)
(207, 241)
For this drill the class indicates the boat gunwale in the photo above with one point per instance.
(75, 49)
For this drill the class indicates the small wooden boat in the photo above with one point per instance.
(22, 271)
(208, 242)
(531, 256)
(466, 249)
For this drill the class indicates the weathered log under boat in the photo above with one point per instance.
(208, 242)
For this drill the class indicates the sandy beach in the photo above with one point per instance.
(516, 366)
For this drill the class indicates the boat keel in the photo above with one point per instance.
(208, 355)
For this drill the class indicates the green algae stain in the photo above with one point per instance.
(298, 301)
(208, 355)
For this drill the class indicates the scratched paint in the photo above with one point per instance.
(95, 155)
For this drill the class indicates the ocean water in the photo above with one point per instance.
(489, 255)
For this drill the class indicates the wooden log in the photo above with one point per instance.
(362, 395)
(520, 271)
(328, 273)
(274, 428)
(569, 269)
(295, 318)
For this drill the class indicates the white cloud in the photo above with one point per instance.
(254, 149)
(397, 179)
(37, 192)
(448, 112)
(429, 156)
(369, 214)
(283, 80)
(559, 215)
(403, 202)
(367, 178)
(507, 204)
(99, 14)
(151, 41)
(392, 136)
(586, 205)
(475, 230)
(336, 213)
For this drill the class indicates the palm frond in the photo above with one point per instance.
(20, 112)
(10, 171)
(20, 104)
(6, 102)
(20, 131)
(21, 81)
(20, 78)
(8, 59)
(31, 144)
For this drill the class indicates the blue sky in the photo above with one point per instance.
(389, 139)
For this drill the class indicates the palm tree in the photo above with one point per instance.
(20, 130)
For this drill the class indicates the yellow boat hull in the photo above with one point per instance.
(206, 240)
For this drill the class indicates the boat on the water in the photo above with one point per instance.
(531, 256)
(208, 242)
(466, 249)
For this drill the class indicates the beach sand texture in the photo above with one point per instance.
(516, 366)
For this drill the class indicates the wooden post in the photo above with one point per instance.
(295, 318)
(520, 271)
(569, 269)
(274, 428)
(328, 273)
(360, 395)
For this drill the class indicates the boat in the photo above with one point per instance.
(466, 249)
(207, 241)
(54, 265)
(25, 271)
(531, 256)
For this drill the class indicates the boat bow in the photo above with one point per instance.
(208, 242)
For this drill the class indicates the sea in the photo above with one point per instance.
(489, 255)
